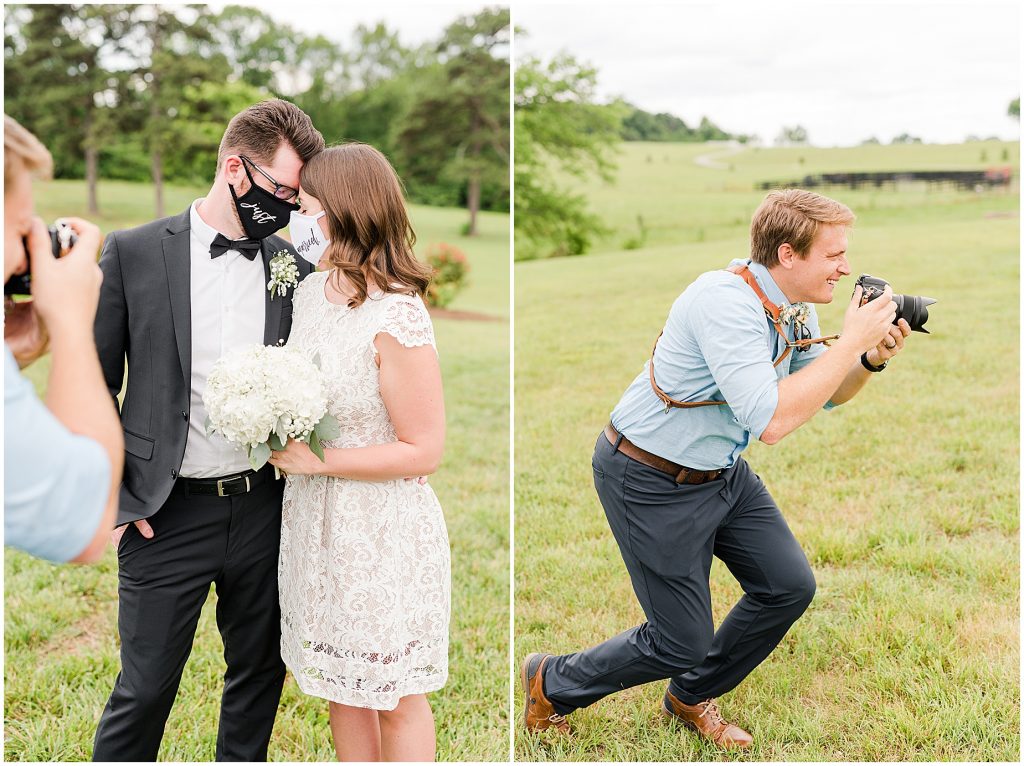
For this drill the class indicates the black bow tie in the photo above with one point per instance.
(247, 247)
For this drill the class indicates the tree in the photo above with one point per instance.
(792, 136)
(1014, 109)
(54, 82)
(458, 130)
(905, 138)
(254, 46)
(558, 127)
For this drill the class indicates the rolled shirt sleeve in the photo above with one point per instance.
(56, 483)
(734, 339)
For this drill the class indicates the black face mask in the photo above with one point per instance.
(260, 212)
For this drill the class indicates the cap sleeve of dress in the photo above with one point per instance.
(406, 319)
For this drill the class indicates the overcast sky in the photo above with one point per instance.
(938, 70)
(415, 22)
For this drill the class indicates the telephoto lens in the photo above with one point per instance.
(913, 308)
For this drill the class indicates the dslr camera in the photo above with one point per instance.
(62, 239)
(913, 308)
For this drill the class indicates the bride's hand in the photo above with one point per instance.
(296, 459)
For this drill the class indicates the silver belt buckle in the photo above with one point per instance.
(220, 485)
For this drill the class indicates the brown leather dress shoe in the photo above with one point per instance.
(705, 719)
(539, 713)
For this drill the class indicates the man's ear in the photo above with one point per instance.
(787, 255)
(233, 169)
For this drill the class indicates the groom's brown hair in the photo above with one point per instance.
(258, 131)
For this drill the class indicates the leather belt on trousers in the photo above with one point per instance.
(225, 486)
(680, 473)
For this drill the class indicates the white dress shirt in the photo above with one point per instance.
(228, 311)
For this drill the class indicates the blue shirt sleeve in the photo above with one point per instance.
(731, 330)
(56, 483)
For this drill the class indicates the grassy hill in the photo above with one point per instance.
(681, 201)
(61, 649)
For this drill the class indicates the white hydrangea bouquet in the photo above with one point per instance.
(258, 397)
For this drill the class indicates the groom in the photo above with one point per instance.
(177, 294)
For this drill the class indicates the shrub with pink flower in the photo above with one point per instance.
(450, 269)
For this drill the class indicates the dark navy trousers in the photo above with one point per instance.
(667, 534)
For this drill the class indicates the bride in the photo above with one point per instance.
(364, 569)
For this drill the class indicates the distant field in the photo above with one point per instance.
(905, 500)
(683, 202)
(61, 649)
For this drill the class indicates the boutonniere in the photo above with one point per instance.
(283, 273)
(795, 312)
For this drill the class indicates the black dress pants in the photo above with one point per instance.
(163, 583)
(667, 534)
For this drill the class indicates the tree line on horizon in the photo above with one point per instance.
(144, 92)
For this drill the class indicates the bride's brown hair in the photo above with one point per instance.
(371, 239)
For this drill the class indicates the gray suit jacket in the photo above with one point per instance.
(145, 316)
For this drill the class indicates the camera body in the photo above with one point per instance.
(913, 308)
(62, 239)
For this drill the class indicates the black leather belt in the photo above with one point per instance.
(225, 486)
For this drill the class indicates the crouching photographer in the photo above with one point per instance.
(62, 460)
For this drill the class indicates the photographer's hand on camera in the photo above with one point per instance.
(891, 344)
(868, 327)
(66, 291)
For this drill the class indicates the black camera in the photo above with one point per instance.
(62, 239)
(913, 308)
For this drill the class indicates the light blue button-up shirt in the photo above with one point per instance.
(718, 345)
(56, 483)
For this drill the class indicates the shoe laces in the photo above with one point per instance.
(711, 711)
(556, 719)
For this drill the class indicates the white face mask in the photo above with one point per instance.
(307, 236)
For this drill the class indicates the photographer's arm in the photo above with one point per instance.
(804, 393)
(879, 355)
(65, 293)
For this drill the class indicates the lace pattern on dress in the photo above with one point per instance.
(407, 320)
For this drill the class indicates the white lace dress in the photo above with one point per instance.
(365, 570)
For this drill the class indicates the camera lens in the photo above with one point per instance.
(913, 308)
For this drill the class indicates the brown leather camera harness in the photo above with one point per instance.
(772, 310)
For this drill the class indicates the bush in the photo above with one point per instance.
(450, 269)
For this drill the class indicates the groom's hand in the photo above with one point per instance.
(143, 526)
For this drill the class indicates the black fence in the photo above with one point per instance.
(964, 180)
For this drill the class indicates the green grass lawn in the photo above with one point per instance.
(905, 500)
(61, 647)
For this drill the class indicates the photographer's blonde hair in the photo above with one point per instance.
(793, 216)
(23, 151)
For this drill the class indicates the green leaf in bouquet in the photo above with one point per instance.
(208, 426)
(316, 446)
(276, 442)
(258, 456)
(328, 428)
(316, 360)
